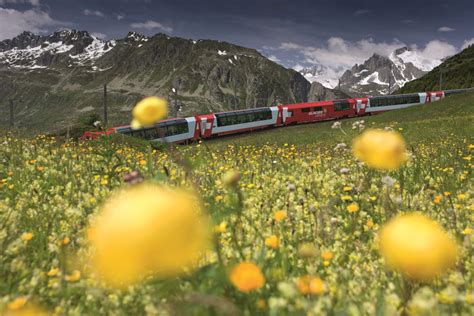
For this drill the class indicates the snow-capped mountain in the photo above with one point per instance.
(322, 74)
(70, 48)
(379, 74)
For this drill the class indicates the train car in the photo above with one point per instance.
(172, 131)
(393, 102)
(304, 112)
(232, 122)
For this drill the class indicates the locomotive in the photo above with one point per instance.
(184, 130)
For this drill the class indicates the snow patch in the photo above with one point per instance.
(222, 53)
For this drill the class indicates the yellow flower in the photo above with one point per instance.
(461, 197)
(27, 236)
(346, 197)
(261, 304)
(310, 285)
(17, 303)
(467, 231)
(352, 208)
(247, 277)
(148, 230)
(218, 198)
(370, 223)
(149, 111)
(381, 150)
(279, 216)
(438, 199)
(231, 178)
(221, 228)
(272, 242)
(327, 255)
(65, 241)
(417, 246)
(317, 286)
(307, 251)
(73, 277)
(53, 272)
(347, 188)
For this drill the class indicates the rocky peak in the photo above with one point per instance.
(21, 41)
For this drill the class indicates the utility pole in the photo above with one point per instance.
(441, 79)
(106, 114)
(390, 80)
(12, 118)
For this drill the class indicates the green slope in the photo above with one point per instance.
(457, 72)
(453, 115)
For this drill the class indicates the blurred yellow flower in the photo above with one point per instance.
(327, 255)
(272, 242)
(310, 285)
(381, 150)
(438, 199)
(352, 208)
(74, 276)
(27, 236)
(261, 304)
(66, 240)
(417, 247)
(231, 178)
(17, 303)
(307, 251)
(53, 272)
(279, 216)
(149, 111)
(467, 231)
(221, 228)
(247, 277)
(148, 229)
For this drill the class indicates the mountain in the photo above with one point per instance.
(53, 80)
(379, 73)
(322, 74)
(319, 92)
(455, 72)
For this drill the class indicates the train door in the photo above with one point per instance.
(361, 106)
(286, 114)
(205, 125)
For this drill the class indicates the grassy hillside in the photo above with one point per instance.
(427, 122)
(457, 72)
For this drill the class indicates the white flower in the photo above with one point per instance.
(344, 170)
(97, 124)
(340, 146)
(336, 124)
(388, 181)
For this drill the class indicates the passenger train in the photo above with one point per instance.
(184, 130)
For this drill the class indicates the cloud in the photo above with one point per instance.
(361, 12)
(338, 55)
(119, 16)
(13, 22)
(150, 25)
(437, 50)
(34, 3)
(467, 43)
(93, 13)
(446, 29)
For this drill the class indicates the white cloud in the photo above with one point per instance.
(274, 58)
(446, 29)
(32, 2)
(150, 25)
(93, 13)
(467, 43)
(13, 22)
(119, 16)
(361, 12)
(339, 55)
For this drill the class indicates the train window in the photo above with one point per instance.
(341, 105)
(306, 110)
(242, 117)
(395, 100)
(318, 109)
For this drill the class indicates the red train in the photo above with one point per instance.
(182, 130)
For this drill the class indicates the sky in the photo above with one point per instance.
(296, 33)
